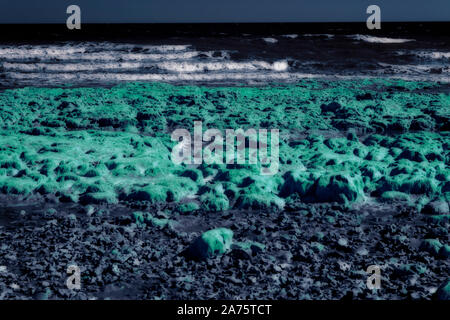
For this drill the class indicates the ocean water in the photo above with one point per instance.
(242, 59)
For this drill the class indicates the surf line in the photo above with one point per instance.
(257, 152)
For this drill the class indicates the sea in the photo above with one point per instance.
(221, 55)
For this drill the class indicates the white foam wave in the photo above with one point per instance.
(329, 36)
(101, 56)
(221, 66)
(28, 67)
(372, 39)
(436, 55)
(180, 66)
(270, 40)
(40, 51)
(83, 48)
(290, 36)
(413, 69)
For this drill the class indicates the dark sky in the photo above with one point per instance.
(148, 11)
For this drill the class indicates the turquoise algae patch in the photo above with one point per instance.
(211, 243)
(443, 292)
(97, 145)
(142, 219)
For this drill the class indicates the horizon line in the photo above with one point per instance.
(206, 22)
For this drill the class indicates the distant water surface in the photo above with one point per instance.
(243, 59)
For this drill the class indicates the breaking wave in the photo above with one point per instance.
(297, 57)
(372, 39)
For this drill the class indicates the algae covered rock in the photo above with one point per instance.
(297, 181)
(333, 107)
(144, 218)
(432, 246)
(412, 184)
(443, 293)
(257, 201)
(247, 249)
(341, 188)
(436, 207)
(211, 243)
(188, 207)
(391, 196)
(125, 156)
(260, 193)
(412, 155)
(444, 252)
(98, 198)
(213, 198)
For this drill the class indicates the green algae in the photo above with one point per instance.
(253, 245)
(436, 207)
(341, 188)
(213, 198)
(443, 292)
(390, 196)
(317, 246)
(188, 207)
(340, 142)
(444, 252)
(440, 219)
(211, 243)
(433, 246)
(145, 218)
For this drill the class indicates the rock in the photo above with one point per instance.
(98, 198)
(188, 207)
(241, 253)
(317, 247)
(235, 280)
(284, 257)
(441, 219)
(412, 155)
(362, 251)
(257, 247)
(366, 96)
(332, 107)
(115, 269)
(436, 207)
(43, 295)
(424, 123)
(432, 246)
(394, 196)
(49, 213)
(403, 272)
(342, 242)
(248, 201)
(352, 136)
(247, 249)
(409, 184)
(215, 199)
(144, 218)
(89, 210)
(297, 181)
(211, 243)
(341, 188)
(444, 252)
(443, 293)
